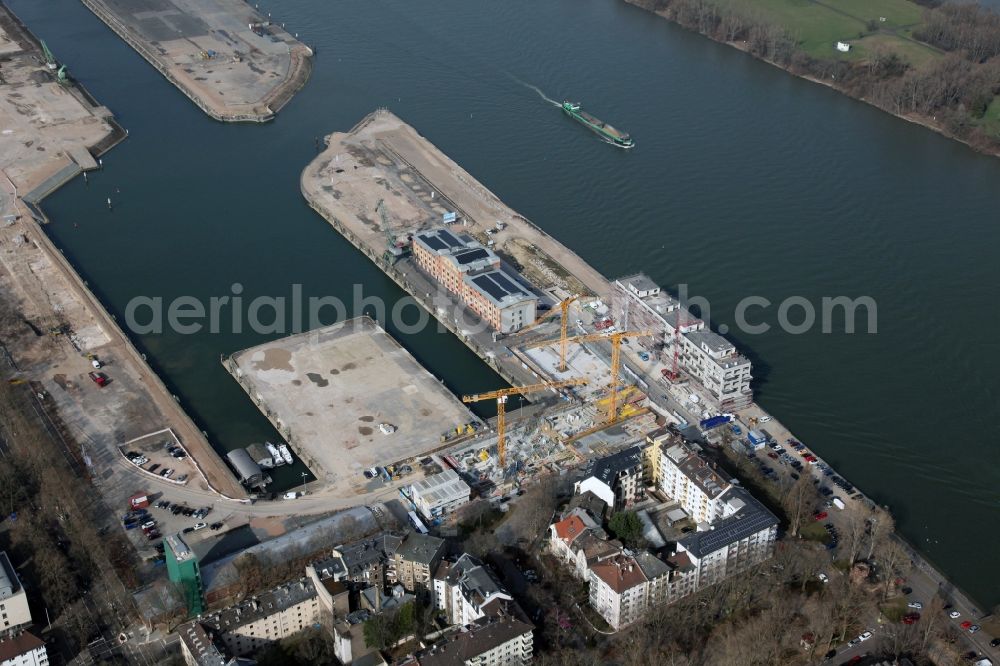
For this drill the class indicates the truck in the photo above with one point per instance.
(139, 501)
(714, 422)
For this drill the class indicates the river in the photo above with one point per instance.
(745, 181)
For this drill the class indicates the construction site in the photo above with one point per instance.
(234, 63)
(585, 386)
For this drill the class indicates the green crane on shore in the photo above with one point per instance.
(394, 247)
(53, 64)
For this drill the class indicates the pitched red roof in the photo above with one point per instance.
(570, 529)
(18, 645)
(620, 573)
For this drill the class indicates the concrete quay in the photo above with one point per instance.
(51, 131)
(346, 398)
(226, 57)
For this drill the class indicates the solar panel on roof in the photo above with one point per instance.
(449, 239)
(470, 256)
(433, 241)
(489, 286)
(506, 283)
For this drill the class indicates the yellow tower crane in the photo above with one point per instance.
(564, 312)
(501, 398)
(616, 351)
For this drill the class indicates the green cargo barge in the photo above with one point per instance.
(606, 131)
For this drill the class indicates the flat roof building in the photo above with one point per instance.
(14, 609)
(476, 276)
(183, 569)
(440, 494)
(638, 303)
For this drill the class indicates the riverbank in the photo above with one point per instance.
(54, 131)
(226, 57)
(839, 71)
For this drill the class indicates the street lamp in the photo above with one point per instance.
(304, 483)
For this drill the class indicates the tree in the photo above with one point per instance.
(627, 527)
(796, 503)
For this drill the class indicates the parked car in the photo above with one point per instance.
(216, 526)
(954, 615)
(764, 419)
(995, 642)
(854, 642)
(865, 636)
(821, 515)
(911, 618)
(915, 604)
(823, 578)
(974, 628)
(99, 378)
(965, 625)
(200, 526)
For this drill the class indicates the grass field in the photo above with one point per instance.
(819, 25)
(991, 120)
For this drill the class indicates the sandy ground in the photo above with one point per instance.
(329, 390)
(207, 49)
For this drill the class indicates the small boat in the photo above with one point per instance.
(607, 132)
(275, 454)
(286, 454)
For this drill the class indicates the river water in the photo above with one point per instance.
(745, 181)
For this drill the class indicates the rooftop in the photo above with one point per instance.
(751, 518)
(477, 583)
(261, 606)
(9, 585)
(620, 573)
(422, 548)
(500, 287)
(652, 566)
(570, 528)
(463, 646)
(697, 469)
(361, 555)
(441, 240)
(15, 646)
(608, 468)
(180, 549)
(639, 282)
(440, 488)
(200, 644)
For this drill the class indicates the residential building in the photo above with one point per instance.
(580, 542)
(743, 537)
(618, 589)
(712, 361)
(199, 648)
(416, 559)
(474, 274)
(494, 640)
(23, 649)
(183, 569)
(14, 611)
(260, 621)
(364, 561)
(691, 480)
(439, 494)
(616, 479)
(465, 590)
